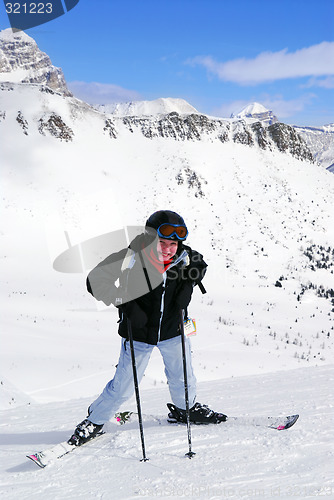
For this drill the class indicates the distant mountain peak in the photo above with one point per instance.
(254, 108)
(256, 111)
(163, 105)
(21, 61)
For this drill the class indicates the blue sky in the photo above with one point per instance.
(219, 55)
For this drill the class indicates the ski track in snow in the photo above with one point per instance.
(231, 461)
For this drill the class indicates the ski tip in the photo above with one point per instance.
(36, 460)
(291, 421)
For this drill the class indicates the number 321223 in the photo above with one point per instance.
(29, 8)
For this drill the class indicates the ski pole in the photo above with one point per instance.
(135, 381)
(190, 453)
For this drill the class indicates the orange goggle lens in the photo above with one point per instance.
(168, 230)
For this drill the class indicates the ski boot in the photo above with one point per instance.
(198, 414)
(84, 432)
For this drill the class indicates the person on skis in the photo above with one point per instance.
(150, 282)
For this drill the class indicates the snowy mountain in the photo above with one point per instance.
(256, 112)
(259, 210)
(320, 141)
(160, 106)
(22, 61)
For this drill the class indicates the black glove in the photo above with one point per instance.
(183, 297)
(135, 314)
(196, 268)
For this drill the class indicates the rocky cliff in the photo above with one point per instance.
(22, 61)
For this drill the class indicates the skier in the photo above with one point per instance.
(156, 275)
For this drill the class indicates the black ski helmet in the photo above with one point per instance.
(165, 217)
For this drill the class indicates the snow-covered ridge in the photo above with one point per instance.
(320, 141)
(329, 128)
(65, 118)
(163, 105)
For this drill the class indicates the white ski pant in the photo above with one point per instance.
(121, 387)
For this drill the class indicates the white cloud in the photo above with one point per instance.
(281, 107)
(102, 93)
(325, 83)
(316, 60)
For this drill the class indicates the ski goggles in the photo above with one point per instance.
(169, 230)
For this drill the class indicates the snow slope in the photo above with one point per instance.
(254, 221)
(236, 462)
(262, 219)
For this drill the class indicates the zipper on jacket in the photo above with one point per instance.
(162, 305)
(183, 258)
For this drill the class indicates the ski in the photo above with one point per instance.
(46, 457)
(278, 423)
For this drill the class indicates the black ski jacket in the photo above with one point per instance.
(152, 301)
